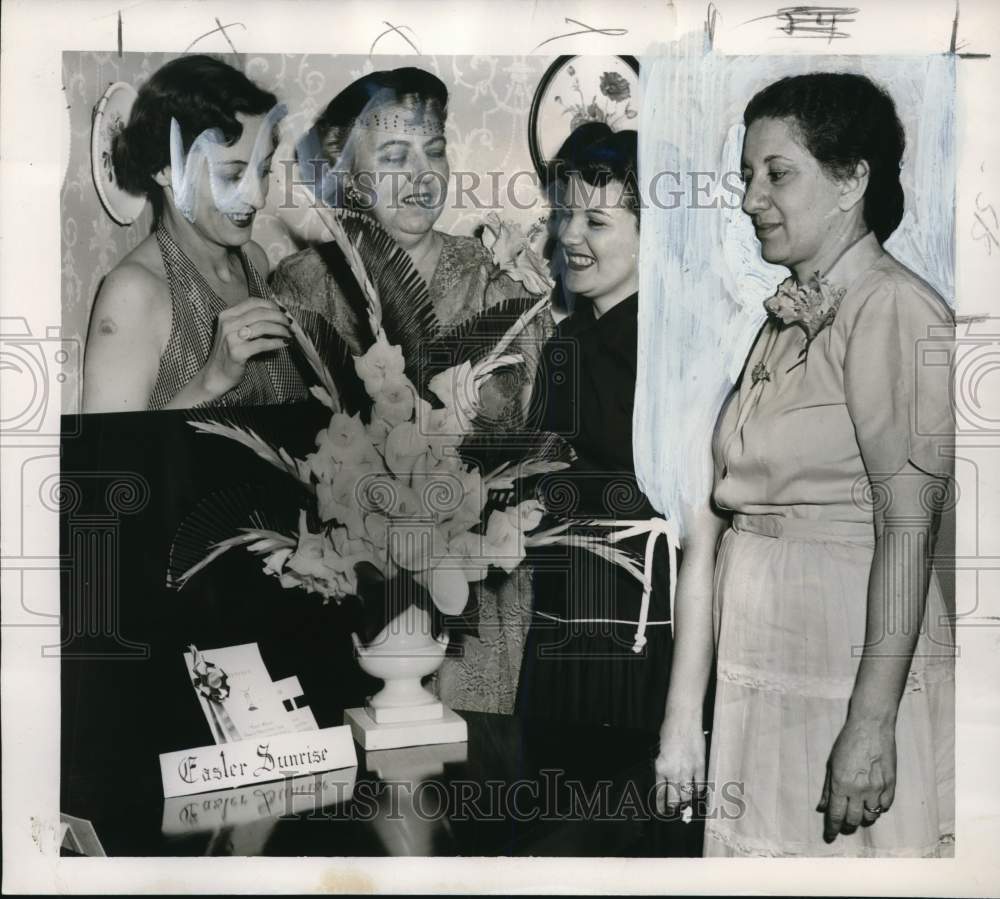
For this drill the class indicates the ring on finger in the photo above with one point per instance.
(874, 811)
(245, 333)
(685, 788)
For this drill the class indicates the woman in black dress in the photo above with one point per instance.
(583, 661)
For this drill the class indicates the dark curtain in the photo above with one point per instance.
(128, 483)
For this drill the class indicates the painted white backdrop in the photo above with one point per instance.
(702, 280)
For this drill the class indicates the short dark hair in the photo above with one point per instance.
(201, 92)
(598, 154)
(843, 118)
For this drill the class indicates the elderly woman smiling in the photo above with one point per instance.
(379, 150)
(834, 702)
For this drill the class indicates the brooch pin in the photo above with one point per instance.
(759, 373)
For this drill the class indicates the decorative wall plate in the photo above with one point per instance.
(110, 117)
(580, 89)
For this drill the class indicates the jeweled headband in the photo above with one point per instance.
(400, 122)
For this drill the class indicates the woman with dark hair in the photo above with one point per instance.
(833, 729)
(379, 153)
(587, 658)
(183, 320)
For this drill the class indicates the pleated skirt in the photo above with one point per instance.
(790, 614)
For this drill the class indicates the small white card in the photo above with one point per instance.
(289, 688)
(78, 835)
(256, 760)
(301, 719)
(236, 693)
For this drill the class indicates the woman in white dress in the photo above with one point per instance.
(833, 730)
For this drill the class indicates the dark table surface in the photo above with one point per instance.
(516, 788)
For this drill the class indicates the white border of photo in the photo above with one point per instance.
(33, 161)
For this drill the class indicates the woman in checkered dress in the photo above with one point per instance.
(184, 320)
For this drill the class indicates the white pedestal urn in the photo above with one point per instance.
(403, 653)
(404, 712)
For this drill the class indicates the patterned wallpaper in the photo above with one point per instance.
(490, 97)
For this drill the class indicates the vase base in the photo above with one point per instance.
(429, 711)
(368, 734)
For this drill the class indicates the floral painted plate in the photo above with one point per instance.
(580, 89)
(110, 117)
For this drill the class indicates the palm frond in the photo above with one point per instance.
(261, 541)
(309, 351)
(242, 510)
(323, 395)
(332, 221)
(515, 329)
(380, 286)
(252, 440)
(504, 479)
(475, 338)
(596, 545)
(487, 366)
(550, 534)
(407, 314)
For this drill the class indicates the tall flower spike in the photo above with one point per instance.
(328, 396)
(329, 218)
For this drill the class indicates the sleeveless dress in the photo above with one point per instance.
(576, 668)
(481, 670)
(270, 378)
(792, 572)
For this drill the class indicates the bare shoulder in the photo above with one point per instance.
(134, 295)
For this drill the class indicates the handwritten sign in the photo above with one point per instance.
(986, 226)
(812, 21)
(256, 760)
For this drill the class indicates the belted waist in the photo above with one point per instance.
(809, 529)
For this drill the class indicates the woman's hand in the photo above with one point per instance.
(242, 332)
(860, 777)
(680, 765)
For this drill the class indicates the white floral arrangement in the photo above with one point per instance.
(393, 491)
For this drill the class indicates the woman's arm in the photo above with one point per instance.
(681, 760)
(241, 332)
(861, 772)
(129, 328)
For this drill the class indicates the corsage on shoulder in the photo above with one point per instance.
(812, 305)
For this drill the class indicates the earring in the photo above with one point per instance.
(352, 197)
